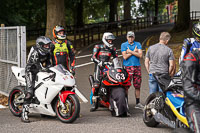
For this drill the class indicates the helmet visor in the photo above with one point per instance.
(110, 37)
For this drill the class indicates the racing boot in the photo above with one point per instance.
(93, 107)
(94, 104)
(25, 112)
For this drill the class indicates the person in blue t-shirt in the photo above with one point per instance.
(132, 52)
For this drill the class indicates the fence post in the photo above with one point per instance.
(92, 34)
(84, 43)
(175, 19)
(121, 28)
(88, 36)
(98, 32)
(75, 38)
(192, 15)
(117, 30)
(126, 27)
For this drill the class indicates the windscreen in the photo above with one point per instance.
(61, 69)
(117, 63)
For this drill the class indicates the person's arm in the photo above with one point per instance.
(172, 67)
(185, 49)
(189, 70)
(95, 53)
(146, 63)
(136, 52)
(114, 53)
(174, 70)
(71, 53)
(124, 51)
(126, 55)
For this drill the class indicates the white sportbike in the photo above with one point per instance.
(54, 94)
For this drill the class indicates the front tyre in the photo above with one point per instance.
(15, 100)
(70, 112)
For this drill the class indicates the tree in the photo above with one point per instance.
(55, 15)
(31, 14)
(79, 21)
(127, 9)
(113, 10)
(183, 20)
(156, 12)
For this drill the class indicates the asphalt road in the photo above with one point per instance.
(90, 122)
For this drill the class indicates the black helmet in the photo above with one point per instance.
(43, 44)
(196, 31)
(57, 29)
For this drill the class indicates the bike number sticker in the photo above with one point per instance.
(120, 76)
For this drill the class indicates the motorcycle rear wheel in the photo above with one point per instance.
(15, 108)
(71, 111)
(148, 118)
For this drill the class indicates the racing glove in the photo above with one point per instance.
(100, 64)
(72, 70)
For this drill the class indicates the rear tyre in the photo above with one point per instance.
(148, 117)
(71, 111)
(15, 100)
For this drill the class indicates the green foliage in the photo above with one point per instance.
(96, 10)
(149, 6)
(23, 12)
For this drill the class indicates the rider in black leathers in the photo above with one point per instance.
(190, 69)
(38, 60)
(101, 54)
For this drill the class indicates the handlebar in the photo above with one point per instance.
(108, 63)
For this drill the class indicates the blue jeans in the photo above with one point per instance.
(153, 85)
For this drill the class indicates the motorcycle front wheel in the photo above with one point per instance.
(150, 103)
(70, 112)
(15, 100)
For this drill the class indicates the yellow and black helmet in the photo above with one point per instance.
(196, 31)
(57, 29)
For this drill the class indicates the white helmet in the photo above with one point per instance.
(108, 36)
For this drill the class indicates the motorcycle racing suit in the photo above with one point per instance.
(190, 69)
(64, 52)
(189, 44)
(101, 54)
(38, 60)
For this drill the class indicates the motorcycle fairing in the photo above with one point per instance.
(106, 104)
(64, 95)
(112, 74)
(119, 74)
(176, 102)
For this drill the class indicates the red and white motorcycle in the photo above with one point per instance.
(54, 94)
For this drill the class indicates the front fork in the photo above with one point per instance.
(61, 102)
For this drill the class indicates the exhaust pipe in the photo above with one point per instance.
(162, 119)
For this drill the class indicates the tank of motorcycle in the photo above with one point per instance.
(60, 79)
(63, 76)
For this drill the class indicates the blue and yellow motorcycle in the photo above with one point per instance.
(166, 107)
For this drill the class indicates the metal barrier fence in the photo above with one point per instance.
(91, 33)
(12, 53)
(195, 15)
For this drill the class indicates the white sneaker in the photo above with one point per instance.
(139, 106)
